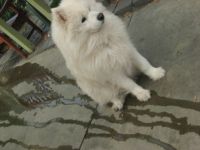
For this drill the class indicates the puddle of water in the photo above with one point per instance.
(31, 84)
(44, 96)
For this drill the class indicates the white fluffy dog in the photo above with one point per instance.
(99, 53)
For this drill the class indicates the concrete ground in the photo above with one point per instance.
(43, 109)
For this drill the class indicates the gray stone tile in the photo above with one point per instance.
(123, 5)
(127, 18)
(12, 146)
(50, 127)
(55, 115)
(130, 5)
(112, 5)
(161, 123)
(167, 33)
(51, 59)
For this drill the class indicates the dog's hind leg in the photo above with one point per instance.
(102, 94)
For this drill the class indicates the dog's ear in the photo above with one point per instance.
(59, 14)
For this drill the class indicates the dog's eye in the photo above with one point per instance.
(83, 19)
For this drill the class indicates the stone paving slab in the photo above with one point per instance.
(56, 114)
(52, 60)
(50, 128)
(161, 123)
(167, 33)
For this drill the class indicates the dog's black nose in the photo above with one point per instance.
(100, 17)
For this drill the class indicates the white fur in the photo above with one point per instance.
(99, 54)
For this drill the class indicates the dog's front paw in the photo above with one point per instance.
(157, 73)
(143, 95)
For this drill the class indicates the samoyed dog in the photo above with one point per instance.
(99, 52)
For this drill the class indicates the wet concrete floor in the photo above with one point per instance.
(41, 108)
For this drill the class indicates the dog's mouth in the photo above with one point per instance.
(102, 22)
(101, 27)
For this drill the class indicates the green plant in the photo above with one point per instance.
(1, 3)
(54, 3)
(20, 4)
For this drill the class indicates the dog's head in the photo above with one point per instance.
(79, 15)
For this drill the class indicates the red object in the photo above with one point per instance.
(11, 45)
(17, 24)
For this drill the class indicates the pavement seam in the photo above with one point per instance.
(129, 22)
(116, 5)
(88, 127)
